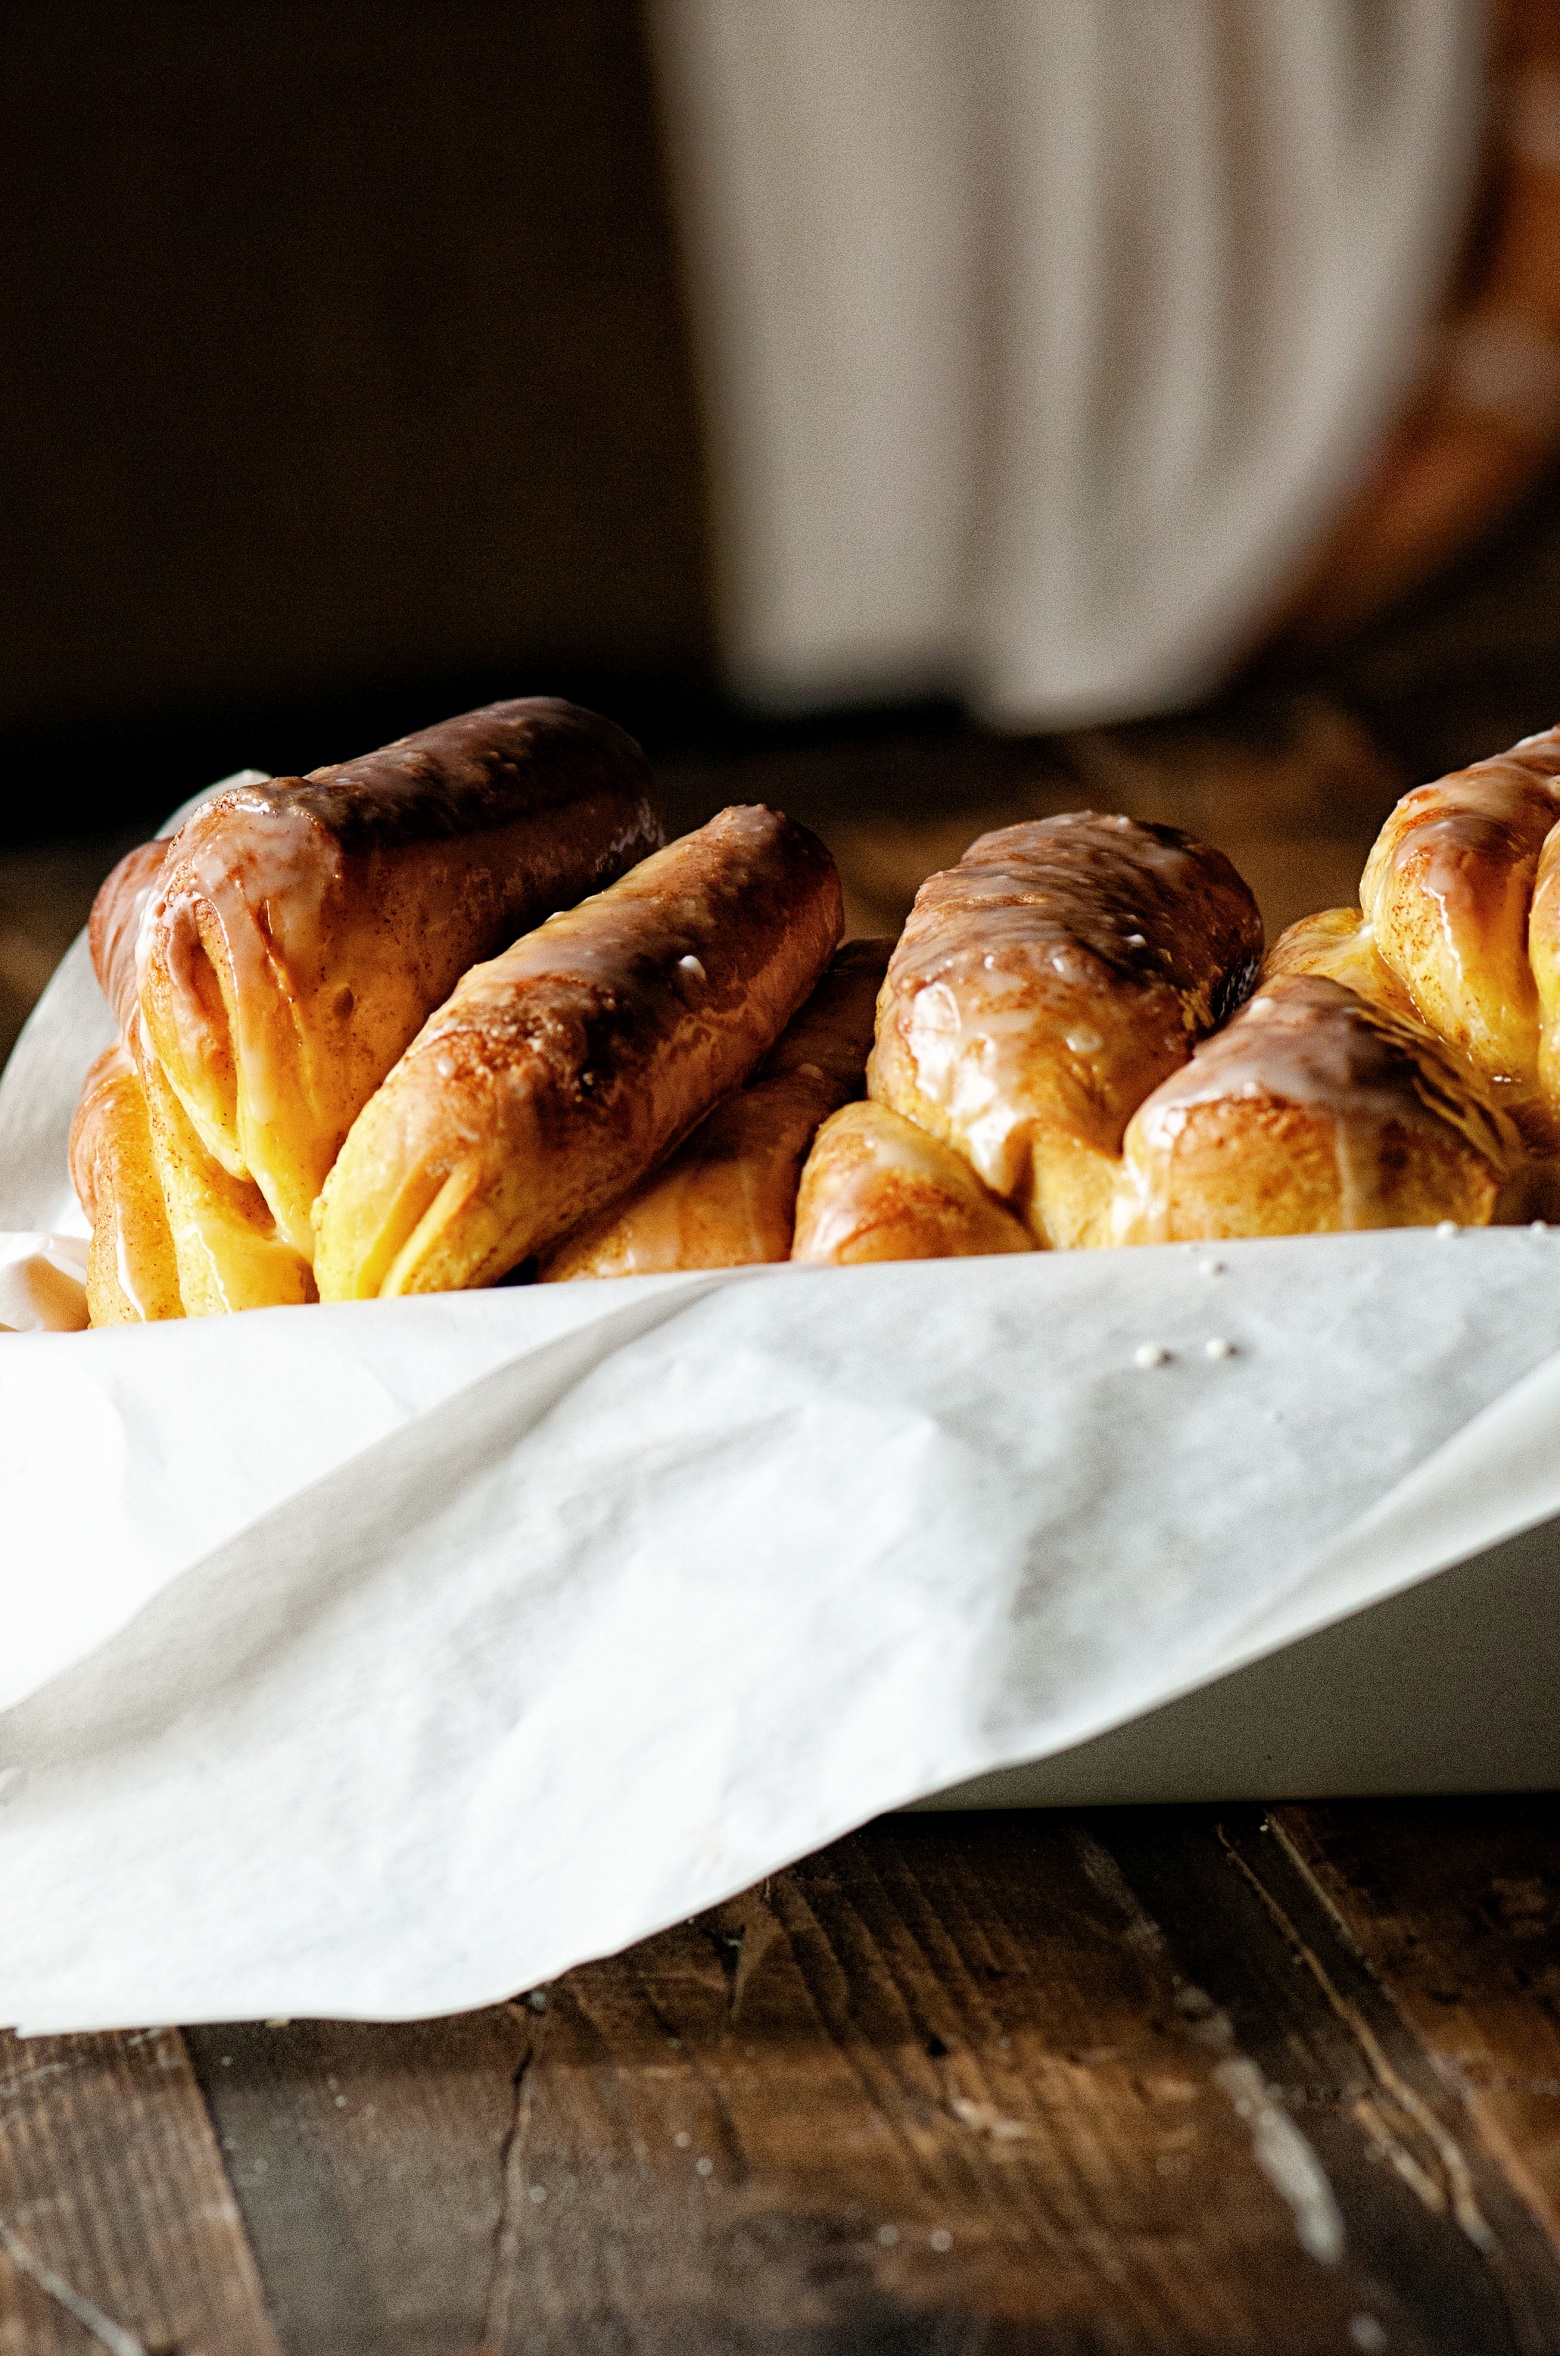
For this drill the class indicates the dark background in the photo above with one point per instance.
(345, 380)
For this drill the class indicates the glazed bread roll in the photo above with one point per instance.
(132, 1276)
(1043, 987)
(561, 1072)
(299, 932)
(1314, 1111)
(1450, 891)
(878, 1188)
(727, 1197)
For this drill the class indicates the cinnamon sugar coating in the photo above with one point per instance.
(727, 1197)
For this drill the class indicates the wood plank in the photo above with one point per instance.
(117, 2216)
(1455, 1907)
(1427, 2204)
(369, 2161)
(1009, 2083)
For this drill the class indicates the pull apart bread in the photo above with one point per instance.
(270, 963)
(450, 1013)
(727, 1196)
(558, 1075)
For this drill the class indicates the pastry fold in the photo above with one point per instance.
(297, 934)
(1043, 987)
(727, 1197)
(558, 1074)
(132, 1273)
(878, 1188)
(1312, 1112)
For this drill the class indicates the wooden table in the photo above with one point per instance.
(1144, 2080)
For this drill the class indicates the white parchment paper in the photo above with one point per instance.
(381, 1659)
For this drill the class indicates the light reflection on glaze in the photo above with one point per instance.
(303, 929)
(1047, 983)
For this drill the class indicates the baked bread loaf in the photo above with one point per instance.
(132, 1275)
(298, 933)
(1314, 1111)
(561, 1072)
(876, 1187)
(727, 1196)
(1043, 987)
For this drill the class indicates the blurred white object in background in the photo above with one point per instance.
(1042, 339)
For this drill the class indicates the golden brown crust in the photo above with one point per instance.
(1044, 986)
(115, 924)
(876, 1187)
(1339, 945)
(1449, 888)
(727, 1196)
(132, 1277)
(1312, 1112)
(562, 1071)
(301, 931)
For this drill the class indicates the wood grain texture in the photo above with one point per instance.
(1454, 1906)
(116, 2206)
(1170, 2081)
(370, 2165)
(1013, 2083)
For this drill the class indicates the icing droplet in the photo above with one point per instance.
(1446, 1227)
(1218, 1347)
(1210, 1267)
(1151, 1354)
(691, 965)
